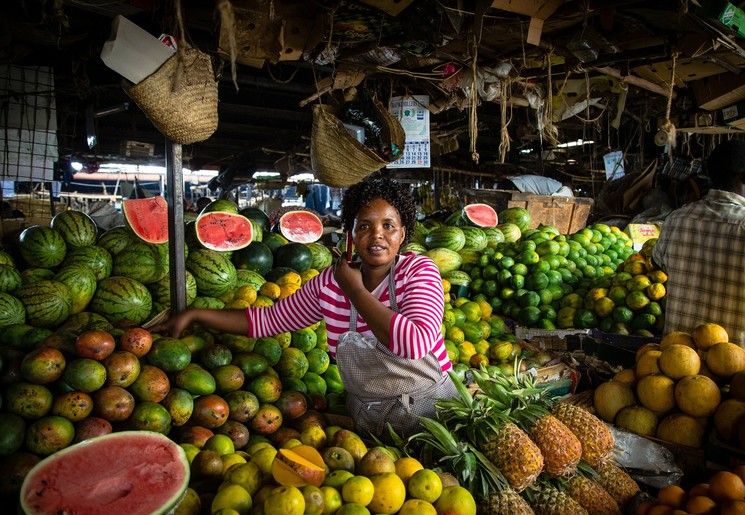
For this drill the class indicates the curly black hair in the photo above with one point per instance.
(369, 189)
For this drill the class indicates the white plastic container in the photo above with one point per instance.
(133, 52)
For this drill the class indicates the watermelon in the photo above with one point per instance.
(120, 472)
(32, 275)
(82, 284)
(11, 310)
(416, 248)
(510, 231)
(76, 228)
(142, 262)
(257, 233)
(322, 257)
(432, 223)
(161, 290)
(451, 238)
(469, 256)
(518, 216)
(256, 214)
(121, 298)
(480, 215)
(222, 205)
(213, 272)
(244, 277)
(10, 278)
(6, 259)
(446, 260)
(147, 218)
(222, 231)
(41, 246)
(419, 233)
(274, 240)
(459, 283)
(96, 258)
(256, 256)
(475, 238)
(300, 226)
(207, 303)
(493, 236)
(293, 255)
(275, 273)
(116, 239)
(48, 303)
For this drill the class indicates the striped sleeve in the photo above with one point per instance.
(415, 330)
(292, 313)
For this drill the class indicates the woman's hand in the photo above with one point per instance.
(175, 325)
(348, 275)
(224, 320)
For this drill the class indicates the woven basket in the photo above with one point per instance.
(182, 104)
(338, 159)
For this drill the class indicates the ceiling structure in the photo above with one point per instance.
(592, 69)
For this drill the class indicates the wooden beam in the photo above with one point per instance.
(634, 80)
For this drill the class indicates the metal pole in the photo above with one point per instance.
(176, 244)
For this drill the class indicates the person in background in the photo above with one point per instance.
(537, 185)
(383, 314)
(701, 247)
(318, 198)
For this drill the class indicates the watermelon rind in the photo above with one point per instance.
(116, 239)
(322, 257)
(81, 282)
(141, 261)
(518, 216)
(480, 215)
(95, 258)
(301, 226)
(451, 238)
(48, 303)
(87, 477)
(259, 216)
(220, 206)
(41, 246)
(245, 277)
(223, 231)
(147, 218)
(76, 228)
(213, 271)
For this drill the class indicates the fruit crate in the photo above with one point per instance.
(691, 460)
(552, 339)
(720, 455)
(616, 349)
(566, 214)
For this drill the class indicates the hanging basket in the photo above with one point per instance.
(181, 103)
(338, 159)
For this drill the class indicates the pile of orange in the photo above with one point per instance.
(723, 493)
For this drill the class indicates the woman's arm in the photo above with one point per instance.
(223, 320)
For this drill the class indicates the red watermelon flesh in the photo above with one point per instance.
(301, 226)
(124, 472)
(223, 231)
(481, 215)
(148, 218)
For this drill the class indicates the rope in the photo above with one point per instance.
(227, 19)
(473, 121)
(504, 134)
(668, 125)
(548, 129)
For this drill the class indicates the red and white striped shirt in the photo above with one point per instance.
(414, 331)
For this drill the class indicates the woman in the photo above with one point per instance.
(383, 314)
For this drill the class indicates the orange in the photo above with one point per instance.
(389, 493)
(656, 392)
(699, 489)
(673, 496)
(725, 359)
(284, 500)
(358, 489)
(706, 335)
(648, 364)
(725, 485)
(732, 508)
(406, 467)
(677, 338)
(425, 484)
(677, 361)
(232, 497)
(740, 471)
(697, 396)
(331, 500)
(700, 504)
(456, 499)
(643, 508)
(626, 375)
(270, 290)
(660, 509)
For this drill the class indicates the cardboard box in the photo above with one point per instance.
(552, 339)
(639, 233)
(734, 115)
(724, 15)
(718, 92)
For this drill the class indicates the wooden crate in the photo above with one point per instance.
(567, 214)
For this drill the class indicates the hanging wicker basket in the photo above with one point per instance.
(180, 97)
(338, 159)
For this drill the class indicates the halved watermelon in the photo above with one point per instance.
(223, 231)
(301, 226)
(121, 472)
(480, 215)
(148, 218)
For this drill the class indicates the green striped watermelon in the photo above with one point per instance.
(510, 231)
(220, 206)
(475, 238)
(41, 246)
(81, 282)
(416, 248)
(121, 298)
(48, 303)
(161, 290)
(518, 216)
(32, 275)
(459, 283)
(293, 255)
(256, 256)
(257, 232)
(258, 216)
(214, 273)
(322, 257)
(116, 239)
(493, 236)
(93, 257)
(420, 233)
(446, 260)
(76, 228)
(76, 322)
(11, 310)
(451, 238)
(10, 278)
(207, 303)
(140, 261)
(6, 259)
(244, 277)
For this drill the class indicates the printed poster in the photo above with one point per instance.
(413, 114)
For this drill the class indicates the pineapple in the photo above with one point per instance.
(595, 436)
(616, 482)
(506, 502)
(515, 455)
(546, 499)
(591, 496)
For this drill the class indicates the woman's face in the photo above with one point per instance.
(378, 233)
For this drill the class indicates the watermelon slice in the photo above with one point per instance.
(301, 226)
(480, 215)
(148, 218)
(223, 231)
(121, 472)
